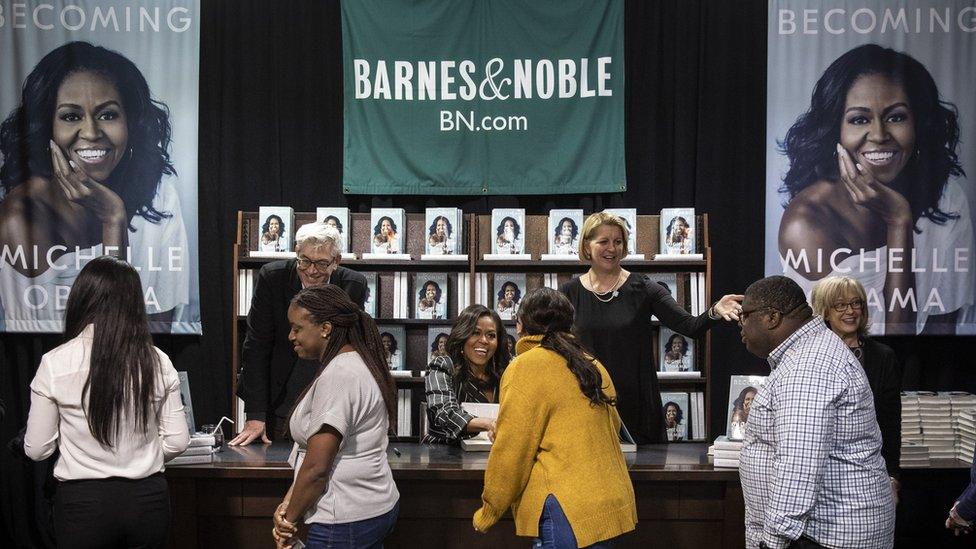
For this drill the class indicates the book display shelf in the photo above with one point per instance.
(472, 280)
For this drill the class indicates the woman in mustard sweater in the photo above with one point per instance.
(556, 459)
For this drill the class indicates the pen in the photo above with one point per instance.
(397, 452)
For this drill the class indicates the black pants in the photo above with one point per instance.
(112, 512)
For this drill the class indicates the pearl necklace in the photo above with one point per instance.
(600, 295)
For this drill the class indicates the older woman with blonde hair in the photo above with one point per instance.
(842, 303)
(613, 319)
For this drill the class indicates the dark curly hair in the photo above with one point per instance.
(422, 293)
(436, 342)
(679, 417)
(26, 133)
(267, 225)
(810, 143)
(338, 223)
(559, 227)
(516, 228)
(684, 343)
(393, 341)
(432, 230)
(549, 313)
(740, 402)
(379, 223)
(464, 327)
(501, 292)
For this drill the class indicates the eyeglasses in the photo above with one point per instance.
(321, 265)
(744, 313)
(855, 305)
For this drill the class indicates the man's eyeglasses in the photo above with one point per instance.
(855, 305)
(321, 265)
(744, 313)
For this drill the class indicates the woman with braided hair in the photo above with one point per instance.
(344, 491)
(556, 459)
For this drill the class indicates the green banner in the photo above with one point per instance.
(483, 96)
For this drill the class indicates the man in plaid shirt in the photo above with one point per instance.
(811, 467)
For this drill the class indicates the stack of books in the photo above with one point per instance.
(911, 421)
(725, 452)
(200, 451)
(937, 431)
(966, 421)
(914, 454)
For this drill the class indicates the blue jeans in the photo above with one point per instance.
(362, 534)
(555, 532)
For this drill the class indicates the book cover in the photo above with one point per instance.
(389, 231)
(742, 391)
(678, 231)
(437, 341)
(675, 410)
(508, 226)
(668, 281)
(372, 298)
(187, 401)
(430, 295)
(338, 218)
(676, 352)
(511, 338)
(277, 226)
(445, 231)
(394, 340)
(507, 294)
(629, 215)
(564, 232)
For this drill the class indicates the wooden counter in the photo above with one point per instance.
(682, 500)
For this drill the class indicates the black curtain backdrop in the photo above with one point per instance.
(271, 134)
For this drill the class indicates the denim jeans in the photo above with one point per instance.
(555, 532)
(362, 534)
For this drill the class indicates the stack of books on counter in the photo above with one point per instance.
(911, 421)
(937, 432)
(200, 451)
(914, 454)
(725, 452)
(966, 442)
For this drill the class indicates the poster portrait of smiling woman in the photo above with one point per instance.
(98, 155)
(867, 175)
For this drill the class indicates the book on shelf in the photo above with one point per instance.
(372, 298)
(430, 294)
(510, 340)
(275, 230)
(388, 233)
(401, 295)
(676, 352)
(338, 218)
(394, 341)
(508, 291)
(563, 234)
(444, 233)
(481, 288)
(677, 236)
(668, 281)
(437, 341)
(404, 416)
(676, 412)
(742, 392)
(679, 375)
(508, 234)
(698, 415)
(629, 216)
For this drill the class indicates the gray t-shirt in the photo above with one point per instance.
(346, 397)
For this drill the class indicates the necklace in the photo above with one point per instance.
(600, 295)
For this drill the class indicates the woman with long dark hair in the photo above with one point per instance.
(470, 372)
(870, 172)
(344, 491)
(110, 403)
(85, 157)
(557, 447)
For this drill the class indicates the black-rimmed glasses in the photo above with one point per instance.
(321, 265)
(855, 305)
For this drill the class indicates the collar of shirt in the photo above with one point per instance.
(814, 326)
(528, 342)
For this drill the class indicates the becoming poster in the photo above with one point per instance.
(871, 154)
(98, 154)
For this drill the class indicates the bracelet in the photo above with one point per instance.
(712, 315)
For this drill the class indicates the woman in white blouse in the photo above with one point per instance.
(109, 402)
(343, 485)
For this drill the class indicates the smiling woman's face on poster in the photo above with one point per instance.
(92, 164)
(865, 173)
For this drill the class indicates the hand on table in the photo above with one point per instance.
(253, 429)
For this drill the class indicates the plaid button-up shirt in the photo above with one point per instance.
(811, 461)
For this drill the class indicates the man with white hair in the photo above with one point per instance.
(272, 375)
